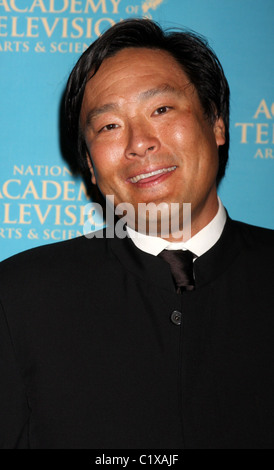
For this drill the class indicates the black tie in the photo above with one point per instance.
(181, 266)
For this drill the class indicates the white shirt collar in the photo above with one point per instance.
(198, 244)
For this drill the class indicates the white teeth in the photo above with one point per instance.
(135, 179)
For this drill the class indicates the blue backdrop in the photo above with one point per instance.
(40, 41)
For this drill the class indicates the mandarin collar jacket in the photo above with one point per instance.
(99, 352)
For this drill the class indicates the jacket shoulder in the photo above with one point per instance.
(255, 236)
(55, 257)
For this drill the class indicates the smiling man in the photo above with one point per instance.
(143, 342)
(147, 137)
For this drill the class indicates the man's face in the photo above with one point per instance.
(147, 136)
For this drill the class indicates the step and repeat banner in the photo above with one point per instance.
(40, 40)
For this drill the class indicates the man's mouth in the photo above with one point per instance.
(136, 179)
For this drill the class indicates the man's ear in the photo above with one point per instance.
(91, 169)
(219, 131)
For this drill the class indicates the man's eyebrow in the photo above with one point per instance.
(160, 90)
(144, 95)
(95, 112)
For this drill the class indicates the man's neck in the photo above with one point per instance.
(199, 243)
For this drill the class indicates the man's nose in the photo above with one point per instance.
(141, 140)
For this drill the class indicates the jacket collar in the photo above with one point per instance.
(154, 270)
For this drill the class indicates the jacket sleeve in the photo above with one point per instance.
(14, 410)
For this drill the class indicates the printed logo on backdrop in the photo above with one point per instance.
(258, 133)
(63, 26)
(44, 203)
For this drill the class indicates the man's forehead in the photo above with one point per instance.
(156, 69)
(136, 74)
(137, 58)
(130, 51)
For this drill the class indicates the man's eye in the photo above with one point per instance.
(162, 110)
(108, 127)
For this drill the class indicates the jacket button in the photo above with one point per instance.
(176, 317)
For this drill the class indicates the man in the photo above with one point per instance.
(101, 345)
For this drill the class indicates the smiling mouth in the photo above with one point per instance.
(143, 176)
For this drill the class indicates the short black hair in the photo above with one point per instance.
(189, 49)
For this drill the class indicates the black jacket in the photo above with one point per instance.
(92, 357)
